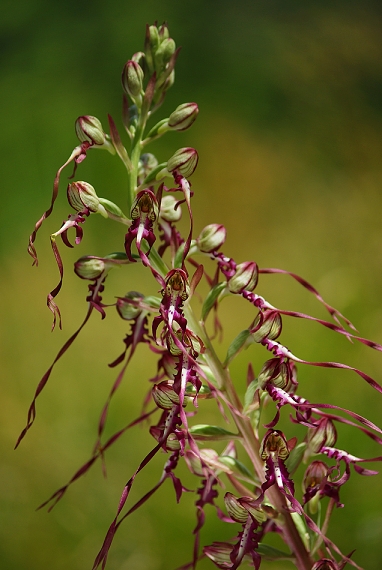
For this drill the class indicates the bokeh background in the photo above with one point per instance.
(289, 137)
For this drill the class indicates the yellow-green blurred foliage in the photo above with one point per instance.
(289, 140)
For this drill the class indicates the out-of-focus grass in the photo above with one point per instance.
(289, 146)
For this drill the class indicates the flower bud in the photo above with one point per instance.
(89, 267)
(172, 442)
(267, 324)
(235, 510)
(132, 79)
(274, 443)
(184, 161)
(163, 54)
(315, 474)
(164, 395)
(89, 129)
(82, 196)
(183, 116)
(163, 32)
(128, 306)
(245, 277)
(220, 554)
(211, 238)
(275, 372)
(168, 213)
(240, 509)
(324, 434)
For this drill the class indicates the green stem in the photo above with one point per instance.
(325, 525)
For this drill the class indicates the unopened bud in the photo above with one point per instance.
(168, 213)
(128, 307)
(164, 395)
(82, 196)
(89, 267)
(163, 54)
(315, 474)
(240, 508)
(183, 116)
(274, 443)
(89, 129)
(324, 434)
(163, 32)
(132, 79)
(245, 277)
(184, 161)
(172, 442)
(275, 372)
(235, 510)
(211, 238)
(220, 554)
(267, 324)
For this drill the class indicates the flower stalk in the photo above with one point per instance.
(172, 326)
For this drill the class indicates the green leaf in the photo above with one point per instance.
(237, 467)
(299, 521)
(211, 299)
(205, 431)
(273, 553)
(112, 208)
(249, 395)
(295, 457)
(153, 301)
(236, 345)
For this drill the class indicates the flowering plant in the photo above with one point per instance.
(261, 498)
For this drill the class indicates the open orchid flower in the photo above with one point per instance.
(144, 214)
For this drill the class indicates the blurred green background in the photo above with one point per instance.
(289, 137)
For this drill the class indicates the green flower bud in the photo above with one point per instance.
(267, 324)
(163, 54)
(163, 32)
(168, 213)
(154, 40)
(164, 395)
(89, 129)
(128, 307)
(183, 116)
(132, 79)
(245, 278)
(275, 372)
(89, 267)
(235, 510)
(324, 434)
(211, 238)
(172, 442)
(82, 196)
(184, 161)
